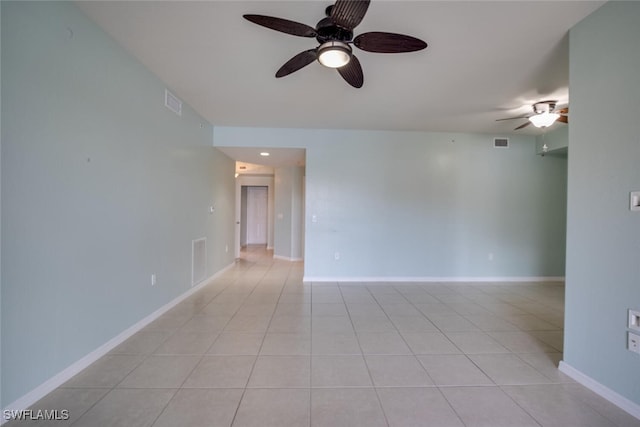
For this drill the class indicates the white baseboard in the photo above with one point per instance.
(284, 258)
(601, 390)
(431, 279)
(66, 374)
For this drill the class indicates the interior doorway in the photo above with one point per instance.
(254, 215)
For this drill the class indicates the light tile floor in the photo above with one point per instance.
(257, 347)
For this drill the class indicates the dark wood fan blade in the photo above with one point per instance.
(299, 61)
(523, 125)
(352, 73)
(282, 25)
(512, 118)
(388, 42)
(349, 13)
(563, 119)
(563, 110)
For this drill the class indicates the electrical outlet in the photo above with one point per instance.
(634, 201)
(634, 320)
(153, 279)
(226, 248)
(633, 342)
(336, 256)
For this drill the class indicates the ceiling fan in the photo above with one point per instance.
(544, 115)
(335, 35)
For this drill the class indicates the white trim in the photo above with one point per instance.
(601, 390)
(284, 258)
(66, 374)
(517, 279)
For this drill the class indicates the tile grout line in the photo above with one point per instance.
(373, 384)
(265, 283)
(244, 389)
(201, 358)
(246, 386)
(311, 355)
(143, 359)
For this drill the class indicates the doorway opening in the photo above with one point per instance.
(270, 200)
(254, 219)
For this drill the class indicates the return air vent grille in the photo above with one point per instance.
(172, 102)
(198, 261)
(501, 142)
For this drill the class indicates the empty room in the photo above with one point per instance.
(204, 224)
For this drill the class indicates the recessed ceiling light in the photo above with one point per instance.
(264, 153)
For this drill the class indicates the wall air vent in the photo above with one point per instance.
(198, 261)
(172, 102)
(501, 142)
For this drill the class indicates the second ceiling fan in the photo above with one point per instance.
(335, 35)
(544, 115)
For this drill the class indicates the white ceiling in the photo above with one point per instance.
(277, 156)
(485, 61)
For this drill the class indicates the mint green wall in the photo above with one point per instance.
(297, 213)
(603, 236)
(415, 204)
(101, 187)
(557, 140)
(288, 212)
(0, 218)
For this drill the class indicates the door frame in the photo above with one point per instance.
(255, 211)
(254, 181)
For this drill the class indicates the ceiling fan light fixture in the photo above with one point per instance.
(544, 119)
(334, 54)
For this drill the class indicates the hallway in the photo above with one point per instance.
(257, 347)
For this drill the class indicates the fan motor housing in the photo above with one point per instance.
(542, 106)
(327, 30)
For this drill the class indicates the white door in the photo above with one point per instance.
(256, 215)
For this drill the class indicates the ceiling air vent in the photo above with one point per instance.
(172, 102)
(501, 142)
